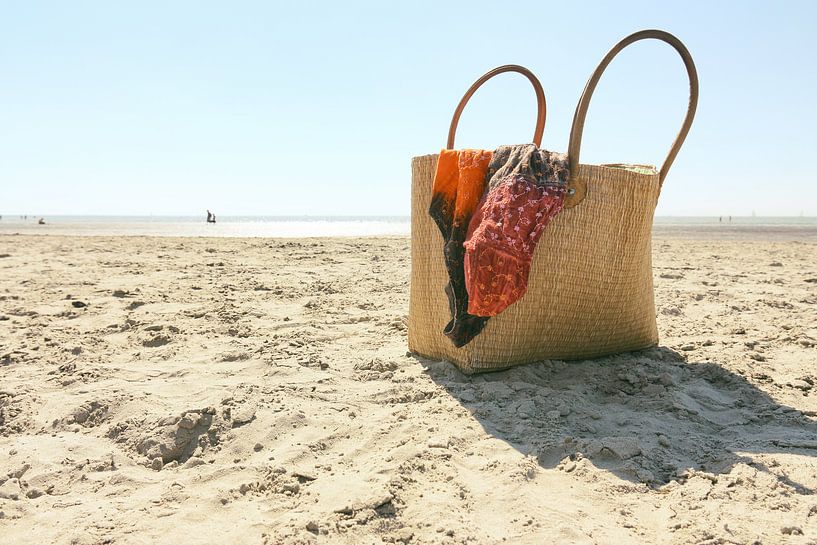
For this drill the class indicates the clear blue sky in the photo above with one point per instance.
(307, 108)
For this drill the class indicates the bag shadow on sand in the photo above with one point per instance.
(647, 416)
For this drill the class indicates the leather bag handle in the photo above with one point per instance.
(574, 147)
(537, 87)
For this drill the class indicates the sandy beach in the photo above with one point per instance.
(229, 390)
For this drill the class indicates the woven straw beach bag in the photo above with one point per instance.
(590, 290)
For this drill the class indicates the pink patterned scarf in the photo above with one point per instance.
(526, 189)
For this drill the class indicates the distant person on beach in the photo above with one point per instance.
(41, 221)
(211, 218)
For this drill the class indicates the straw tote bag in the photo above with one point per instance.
(590, 289)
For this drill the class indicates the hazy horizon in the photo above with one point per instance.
(761, 228)
(8, 216)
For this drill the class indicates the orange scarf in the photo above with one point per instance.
(459, 184)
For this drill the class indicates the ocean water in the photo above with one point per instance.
(791, 228)
(226, 226)
(749, 221)
(784, 228)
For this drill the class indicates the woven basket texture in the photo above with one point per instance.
(590, 290)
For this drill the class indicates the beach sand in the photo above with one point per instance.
(197, 391)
